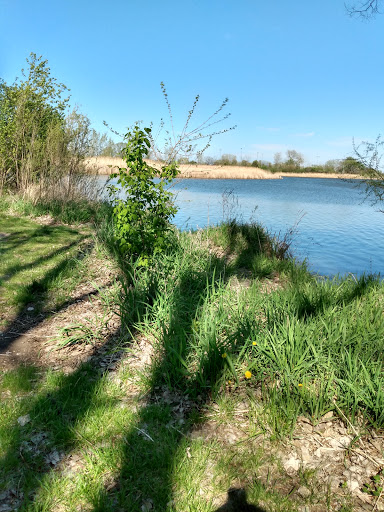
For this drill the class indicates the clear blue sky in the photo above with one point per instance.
(299, 74)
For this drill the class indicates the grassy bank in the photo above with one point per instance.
(229, 362)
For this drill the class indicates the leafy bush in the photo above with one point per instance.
(142, 218)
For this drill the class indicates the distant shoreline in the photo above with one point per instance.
(108, 165)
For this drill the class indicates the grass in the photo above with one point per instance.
(317, 339)
(75, 212)
(38, 264)
(131, 437)
(42, 263)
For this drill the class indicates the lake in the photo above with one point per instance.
(335, 230)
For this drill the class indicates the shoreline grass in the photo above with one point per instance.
(232, 325)
(107, 165)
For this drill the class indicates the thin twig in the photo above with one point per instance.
(350, 424)
(144, 434)
(368, 457)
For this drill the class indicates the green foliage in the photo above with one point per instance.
(31, 121)
(67, 211)
(227, 159)
(42, 147)
(375, 486)
(351, 165)
(310, 346)
(142, 218)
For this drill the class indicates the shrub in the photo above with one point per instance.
(142, 219)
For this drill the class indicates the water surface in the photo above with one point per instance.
(336, 231)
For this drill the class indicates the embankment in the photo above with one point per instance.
(108, 165)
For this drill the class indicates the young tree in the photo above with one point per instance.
(294, 158)
(31, 111)
(142, 218)
(187, 142)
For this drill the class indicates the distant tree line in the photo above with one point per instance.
(292, 162)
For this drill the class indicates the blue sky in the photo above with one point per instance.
(298, 74)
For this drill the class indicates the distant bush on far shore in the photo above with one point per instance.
(292, 164)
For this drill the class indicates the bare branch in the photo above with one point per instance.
(370, 155)
(185, 143)
(365, 9)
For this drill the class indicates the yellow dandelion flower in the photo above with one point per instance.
(300, 385)
(224, 355)
(248, 374)
(229, 382)
(254, 343)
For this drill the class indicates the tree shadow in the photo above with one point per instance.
(16, 239)
(53, 417)
(260, 257)
(309, 302)
(12, 270)
(151, 448)
(252, 252)
(38, 292)
(237, 502)
(52, 429)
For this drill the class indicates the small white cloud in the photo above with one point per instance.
(308, 134)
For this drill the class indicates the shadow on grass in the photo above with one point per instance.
(266, 257)
(18, 238)
(311, 301)
(38, 293)
(151, 451)
(12, 270)
(151, 448)
(251, 252)
(52, 432)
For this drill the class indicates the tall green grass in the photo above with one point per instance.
(75, 211)
(311, 346)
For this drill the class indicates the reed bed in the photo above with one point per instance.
(105, 165)
(109, 165)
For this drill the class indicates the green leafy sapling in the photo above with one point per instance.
(142, 218)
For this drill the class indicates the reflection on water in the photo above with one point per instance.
(337, 231)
